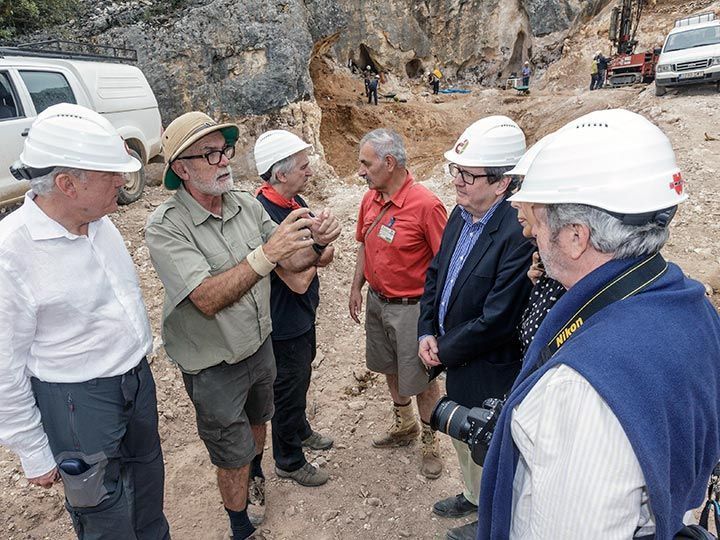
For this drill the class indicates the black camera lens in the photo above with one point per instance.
(473, 426)
(450, 418)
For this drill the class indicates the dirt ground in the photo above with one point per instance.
(375, 493)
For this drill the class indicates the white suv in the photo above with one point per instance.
(691, 54)
(32, 78)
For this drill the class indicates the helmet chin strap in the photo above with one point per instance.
(659, 217)
(23, 172)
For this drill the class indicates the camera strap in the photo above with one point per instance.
(632, 281)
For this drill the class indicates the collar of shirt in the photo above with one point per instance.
(468, 217)
(199, 214)
(43, 227)
(399, 198)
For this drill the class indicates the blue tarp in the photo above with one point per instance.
(454, 91)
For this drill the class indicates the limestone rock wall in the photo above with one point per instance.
(251, 57)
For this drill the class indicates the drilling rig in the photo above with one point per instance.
(626, 66)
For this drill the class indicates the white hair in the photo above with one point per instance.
(386, 142)
(607, 233)
(43, 185)
(284, 166)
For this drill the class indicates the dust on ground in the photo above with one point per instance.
(375, 493)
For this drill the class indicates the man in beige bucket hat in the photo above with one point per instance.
(214, 247)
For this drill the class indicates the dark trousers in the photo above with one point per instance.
(600, 79)
(372, 95)
(290, 427)
(111, 425)
(593, 81)
(526, 81)
(436, 87)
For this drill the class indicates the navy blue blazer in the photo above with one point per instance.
(481, 346)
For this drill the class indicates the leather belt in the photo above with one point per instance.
(388, 300)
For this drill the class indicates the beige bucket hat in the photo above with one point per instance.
(183, 132)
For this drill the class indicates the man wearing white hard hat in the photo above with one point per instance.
(282, 162)
(213, 248)
(77, 398)
(612, 428)
(475, 290)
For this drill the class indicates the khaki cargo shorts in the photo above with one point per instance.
(391, 344)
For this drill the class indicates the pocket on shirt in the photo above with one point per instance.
(254, 242)
(220, 262)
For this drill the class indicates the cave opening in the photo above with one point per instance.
(366, 59)
(516, 59)
(414, 68)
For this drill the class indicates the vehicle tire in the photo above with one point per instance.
(135, 185)
(660, 90)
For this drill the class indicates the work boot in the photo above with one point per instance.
(318, 441)
(432, 465)
(256, 500)
(307, 475)
(463, 532)
(403, 431)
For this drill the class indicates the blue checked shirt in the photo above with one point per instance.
(468, 237)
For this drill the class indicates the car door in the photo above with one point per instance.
(15, 121)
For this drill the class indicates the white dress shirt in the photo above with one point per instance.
(70, 311)
(577, 474)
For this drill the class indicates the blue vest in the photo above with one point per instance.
(655, 360)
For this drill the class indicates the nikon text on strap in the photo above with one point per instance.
(631, 282)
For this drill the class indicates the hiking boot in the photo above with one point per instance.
(318, 441)
(454, 507)
(463, 532)
(432, 465)
(403, 431)
(307, 475)
(256, 500)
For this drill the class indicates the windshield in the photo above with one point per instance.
(693, 38)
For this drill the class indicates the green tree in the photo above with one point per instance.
(20, 16)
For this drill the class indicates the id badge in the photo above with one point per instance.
(386, 233)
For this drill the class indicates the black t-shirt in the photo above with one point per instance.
(292, 314)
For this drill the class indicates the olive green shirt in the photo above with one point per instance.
(188, 244)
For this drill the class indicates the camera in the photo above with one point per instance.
(473, 426)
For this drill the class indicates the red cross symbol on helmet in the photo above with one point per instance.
(677, 183)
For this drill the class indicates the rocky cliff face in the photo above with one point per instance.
(252, 57)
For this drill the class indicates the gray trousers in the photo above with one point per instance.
(108, 426)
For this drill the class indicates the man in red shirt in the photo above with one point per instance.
(399, 228)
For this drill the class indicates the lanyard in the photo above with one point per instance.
(627, 284)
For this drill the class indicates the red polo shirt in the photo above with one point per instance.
(397, 268)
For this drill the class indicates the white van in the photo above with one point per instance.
(33, 78)
(691, 54)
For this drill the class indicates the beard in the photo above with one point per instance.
(219, 185)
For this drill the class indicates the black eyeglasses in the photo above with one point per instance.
(214, 156)
(467, 177)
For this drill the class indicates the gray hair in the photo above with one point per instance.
(495, 174)
(284, 166)
(43, 185)
(607, 233)
(386, 142)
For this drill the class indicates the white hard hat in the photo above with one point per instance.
(494, 141)
(615, 160)
(522, 166)
(275, 145)
(67, 135)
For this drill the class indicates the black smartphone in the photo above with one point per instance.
(73, 466)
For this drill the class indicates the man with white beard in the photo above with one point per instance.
(214, 247)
